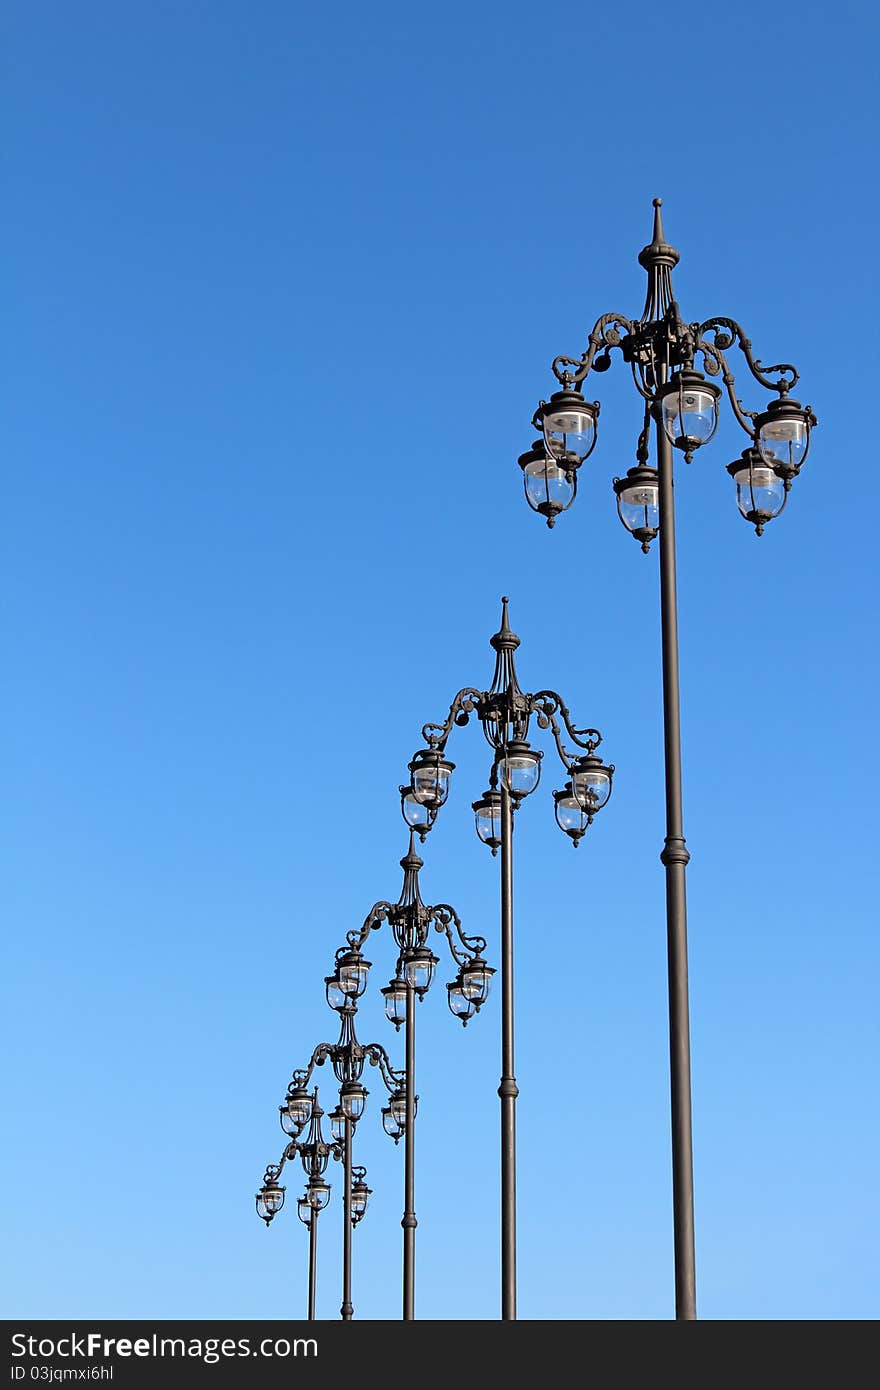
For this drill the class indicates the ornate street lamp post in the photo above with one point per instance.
(505, 713)
(411, 922)
(348, 1057)
(682, 401)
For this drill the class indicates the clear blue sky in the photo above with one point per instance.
(282, 289)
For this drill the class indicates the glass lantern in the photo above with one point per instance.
(352, 1099)
(569, 424)
(299, 1106)
(550, 484)
(417, 815)
(783, 435)
(761, 491)
(570, 816)
(418, 967)
(360, 1196)
(318, 1193)
(337, 1124)
(394, 995)
(638, 503)
(352, 972)
(520, 768)
(474, 979)
(431, 773)
(270, 1200)
(591, 783)
(459, 1004)
(487, 814)
(689, 410)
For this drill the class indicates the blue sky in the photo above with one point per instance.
(283, 286)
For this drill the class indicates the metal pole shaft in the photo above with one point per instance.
(674, 858)
(508, 1089)
(409, 1222)
(313, 1261)
(347, 1309)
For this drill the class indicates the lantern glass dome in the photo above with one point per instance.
(550, 484)
(570, 816)
(352, 972)
(784, 435)
(761, 491)
(304, 1210)
(335, 993)
(417, 815)
(389, 1123)
(690, 410)
(431, 774)
(463, 1007)
(638, 503)
(474, 979)
(299, 1106)
(360, 1195)
(352, 1099)
(337, 1124)
(487, 814)
(418, 967)
(270, 1200)
(395, 1001)
(569, 424)
(521, 769)
(591, 784)
(397, 1105)
(318, 1194)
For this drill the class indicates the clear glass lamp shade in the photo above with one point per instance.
(418, 968)
(569, 425)
(784, 440)
(360, 1195)
(397, 1104)
(335, 993)
(591, 786)
(395, 1002)
(389, 1124)
(475, 979)
(318, 1194)
(638, 503)
(431, 777)
(760, 492)
(304, 1210)
(352, 1099)
(337, 1124)
(570, 817)
(463, 1007)
(549, 488)
(521, 769)
(690, 412)
(417, 815)
(270, 1200)
(352, 973)
(487, 818)
(299, 1107)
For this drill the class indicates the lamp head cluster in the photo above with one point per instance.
(505, 712)
(663, 351)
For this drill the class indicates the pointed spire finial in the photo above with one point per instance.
(504, 639)
(411, 859)
(658, 238)
(658, 260)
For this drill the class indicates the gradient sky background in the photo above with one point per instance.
(283, 286)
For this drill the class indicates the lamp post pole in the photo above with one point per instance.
(347, 1309)
(675, 858)
(313, 1261)
(661, 350)
(505, 712)
(409, 1221)
(508, 1089)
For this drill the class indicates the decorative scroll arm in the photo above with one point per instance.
(460, 711)
(355, 938)
(727, 332)
(606, 335)
(445, 918)
(545, 705)
(392, 1078)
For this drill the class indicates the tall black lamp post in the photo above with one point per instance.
(348, 1057)
(411, 922)
(662, 350)
(505, 712)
